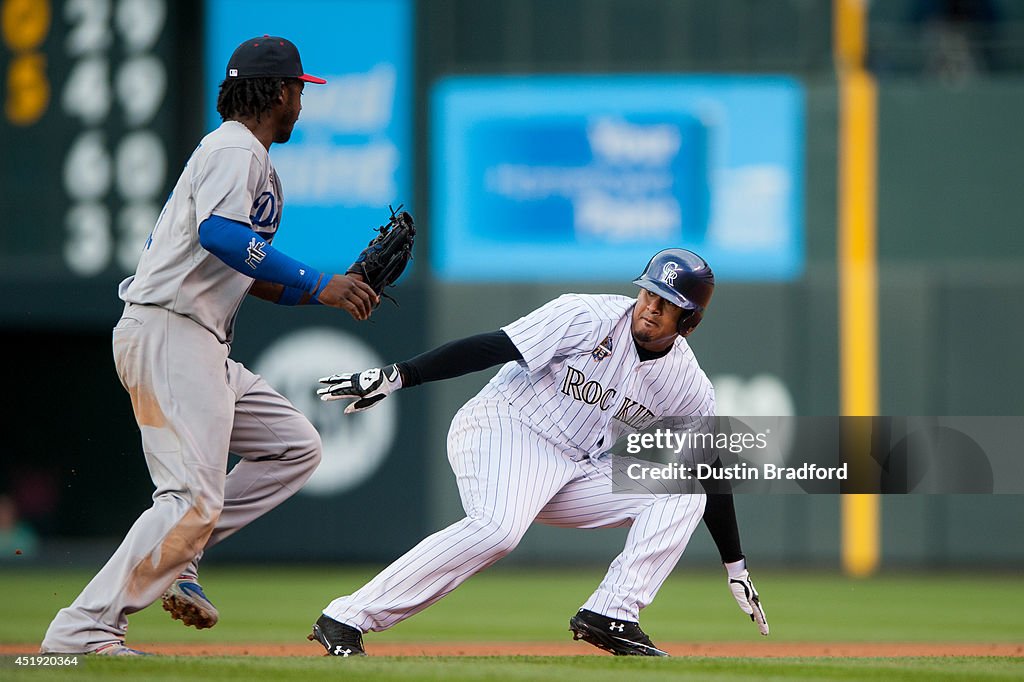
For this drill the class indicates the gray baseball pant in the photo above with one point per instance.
(193, 405)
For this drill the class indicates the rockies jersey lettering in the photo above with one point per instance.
(581, 371)
(590, 392)
(630, 412)
(636, 415)
(230, 175)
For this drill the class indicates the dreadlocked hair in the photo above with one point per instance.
(248, 97)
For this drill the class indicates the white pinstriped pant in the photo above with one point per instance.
(510, 474)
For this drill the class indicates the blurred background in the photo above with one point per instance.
(850, 170)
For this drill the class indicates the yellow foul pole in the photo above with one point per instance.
(858, 277)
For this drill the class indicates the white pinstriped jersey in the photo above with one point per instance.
(582, 381)
(529, 448)
(230, 175)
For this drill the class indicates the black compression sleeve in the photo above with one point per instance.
(720, 518)
(456, 358)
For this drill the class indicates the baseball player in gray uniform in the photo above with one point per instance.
(210, 248)
(578, 373)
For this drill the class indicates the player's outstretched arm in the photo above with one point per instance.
(453, 359)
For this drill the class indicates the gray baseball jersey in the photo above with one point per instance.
(230, 175)
(531, 447)
(192, 402)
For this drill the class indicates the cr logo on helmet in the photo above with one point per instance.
(668, 273)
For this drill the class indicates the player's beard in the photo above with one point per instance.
(643, 333)
(642, 336)
(283, 135)
(284, 131)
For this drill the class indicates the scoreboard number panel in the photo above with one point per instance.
(96, 101)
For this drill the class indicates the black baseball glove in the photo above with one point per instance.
(384, 260)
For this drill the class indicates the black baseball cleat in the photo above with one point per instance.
(339, 639)
(620, 637)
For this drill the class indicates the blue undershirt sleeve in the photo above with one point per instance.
(243, 250)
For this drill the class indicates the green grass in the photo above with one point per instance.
(278, 605)
(534, 668)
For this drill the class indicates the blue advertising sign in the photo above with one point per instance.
(584, 177)
(351, 152)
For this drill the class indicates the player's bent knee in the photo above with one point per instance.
(678, 506)
(313, 450)
(197, 516)
(498, 539)
(505, 545)
(304, 455)
(305, 445)
(206, 511)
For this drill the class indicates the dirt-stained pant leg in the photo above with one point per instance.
(175, 372)
(279, 448)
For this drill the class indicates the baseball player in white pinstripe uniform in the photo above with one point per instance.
(578, 373)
